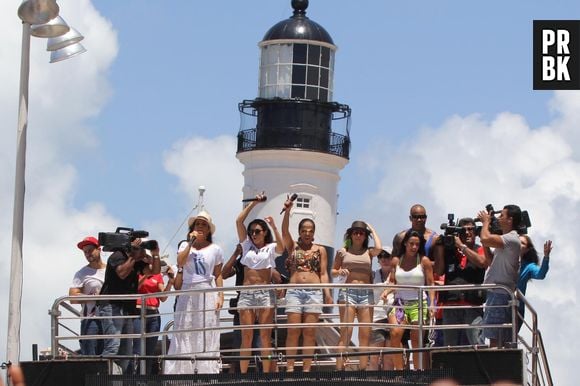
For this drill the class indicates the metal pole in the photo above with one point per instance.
(15, 296)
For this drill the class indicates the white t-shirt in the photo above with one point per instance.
(89, 280)
(380, 312)
(258, 258)
(505, 266)
(200, 263)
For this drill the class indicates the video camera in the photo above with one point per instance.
(494, 227)
(451, 230)
(121, 239)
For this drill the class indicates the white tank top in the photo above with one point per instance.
(416, 276)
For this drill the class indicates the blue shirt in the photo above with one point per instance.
(530, 270)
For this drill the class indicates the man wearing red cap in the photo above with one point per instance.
(88, 281)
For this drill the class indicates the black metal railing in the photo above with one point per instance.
(337, 144)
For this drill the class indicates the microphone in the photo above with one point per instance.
(293, 198)
(264, 198)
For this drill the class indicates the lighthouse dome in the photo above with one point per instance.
(298, 27)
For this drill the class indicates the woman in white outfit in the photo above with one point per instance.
(199, 266)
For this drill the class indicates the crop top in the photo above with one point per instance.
(302, 261)
(416, 276)
(356, 263)
(258, 258)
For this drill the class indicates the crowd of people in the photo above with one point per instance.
(418, 257)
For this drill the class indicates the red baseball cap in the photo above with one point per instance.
(90, 240)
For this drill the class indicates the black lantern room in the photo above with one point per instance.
(294, 108)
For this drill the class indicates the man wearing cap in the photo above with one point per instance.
(88, 281)
(122, 278)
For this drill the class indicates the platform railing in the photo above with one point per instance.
(539, 371)
(63, 331)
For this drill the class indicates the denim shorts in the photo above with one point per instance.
(356, 296)
(256, 298)
(304, 300)
(494, 314)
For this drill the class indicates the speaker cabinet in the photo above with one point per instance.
(62, 372)
(477, 367)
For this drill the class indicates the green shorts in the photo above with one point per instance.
(409, 311)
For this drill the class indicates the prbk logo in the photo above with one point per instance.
(556, 54)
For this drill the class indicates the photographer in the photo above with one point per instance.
(121, 278)
(464, 264)
(503, 269)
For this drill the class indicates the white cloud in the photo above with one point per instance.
(210, 162)
(62, 96)
(469, 162)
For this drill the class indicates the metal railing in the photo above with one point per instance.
(63, 316)
(539, 370)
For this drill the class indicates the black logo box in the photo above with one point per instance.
(573, 64)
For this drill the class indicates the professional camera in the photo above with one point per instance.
(494, 227)
(149, 244)
(121, 239)
(451, 230)
(525, 223)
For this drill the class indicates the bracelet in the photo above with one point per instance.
(156, 257)
(463, 248)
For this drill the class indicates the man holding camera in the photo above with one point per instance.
(503, 269)
(464, 264)
(122, 278)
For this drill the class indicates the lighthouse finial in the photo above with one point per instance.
(299, 7)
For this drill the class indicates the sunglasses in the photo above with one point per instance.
(359, 232)
(418, 216)
(255, 231)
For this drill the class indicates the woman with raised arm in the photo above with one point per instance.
(199, 266)
(259, 252)
(530, 269)
(354, 262)
(307, 264)
(410, 269)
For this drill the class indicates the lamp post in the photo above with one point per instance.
(30, 12)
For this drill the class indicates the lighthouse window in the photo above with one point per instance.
(300, 53)
(324, 77)
(298, 91)
(296, 70)
(314, 55)
(312, 76)
(312, 93)
(325, 57)
(298, 74)
(303, 202)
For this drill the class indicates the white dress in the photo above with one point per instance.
(189, 314)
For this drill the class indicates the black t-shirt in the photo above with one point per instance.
(114, 285)
(458, 273)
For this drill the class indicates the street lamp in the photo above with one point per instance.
(31, 12)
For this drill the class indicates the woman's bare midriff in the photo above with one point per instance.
(304, 278)
(358, 278)
(257, 276)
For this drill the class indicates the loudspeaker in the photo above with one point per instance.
(476, 367)
(62, 372)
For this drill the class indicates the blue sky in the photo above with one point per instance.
(443, 114)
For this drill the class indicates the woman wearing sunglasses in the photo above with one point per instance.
(259, 252)
(353, 262)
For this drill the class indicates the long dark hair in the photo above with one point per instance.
(411, 233)
(531, 256)
(264, 225)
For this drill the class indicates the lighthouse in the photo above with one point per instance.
(293, 137)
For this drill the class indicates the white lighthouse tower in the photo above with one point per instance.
(289, 140)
